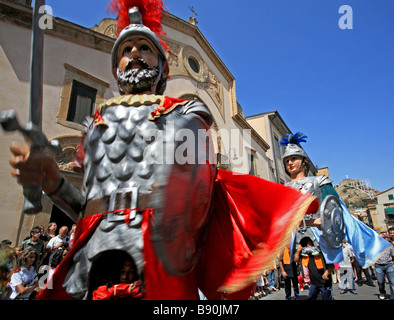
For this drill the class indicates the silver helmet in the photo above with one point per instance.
(294, 150)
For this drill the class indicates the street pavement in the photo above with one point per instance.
(364, 292)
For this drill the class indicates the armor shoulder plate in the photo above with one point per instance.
(199, 108)
(322, 180)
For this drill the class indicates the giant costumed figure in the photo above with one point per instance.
(328, 226)
(183, 224)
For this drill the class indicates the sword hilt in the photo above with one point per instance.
(9, 122)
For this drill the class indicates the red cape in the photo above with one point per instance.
(250, 226)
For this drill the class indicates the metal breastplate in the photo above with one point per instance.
(309, 185)
(128, 153)
(330, 212)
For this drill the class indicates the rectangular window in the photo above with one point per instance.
(252, 164)
(82, 102)
(277, 149)
(389, 210)
(391, 196)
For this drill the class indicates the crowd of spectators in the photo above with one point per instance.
(22, 267)
(41, 252)
(294, 277)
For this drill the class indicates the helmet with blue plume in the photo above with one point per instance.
(293, 148)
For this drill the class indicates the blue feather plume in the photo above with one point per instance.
(296, 138)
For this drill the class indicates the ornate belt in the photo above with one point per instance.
(119, 203)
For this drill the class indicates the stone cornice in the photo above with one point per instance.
(241, 121)
(22, 15)
(86, 75)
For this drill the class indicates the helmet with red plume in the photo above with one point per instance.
(141, 17)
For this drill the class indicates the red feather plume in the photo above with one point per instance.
(151, 12)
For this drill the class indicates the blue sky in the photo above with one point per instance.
(336, 86)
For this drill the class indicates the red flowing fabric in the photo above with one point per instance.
(159, 285)
(250, 226)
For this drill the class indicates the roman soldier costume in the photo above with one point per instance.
(185, 224)
(336, 221)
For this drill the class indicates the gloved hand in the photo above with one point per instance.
(35, 167)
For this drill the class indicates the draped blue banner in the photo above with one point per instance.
(367, 244)
(330, 254)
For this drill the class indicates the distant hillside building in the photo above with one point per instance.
(381, 210)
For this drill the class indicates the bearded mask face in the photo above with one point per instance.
(137, 80)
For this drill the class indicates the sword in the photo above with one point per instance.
(36, 67)
(33, 130)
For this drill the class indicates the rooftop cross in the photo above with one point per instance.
(193, 11)
(193, 19)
